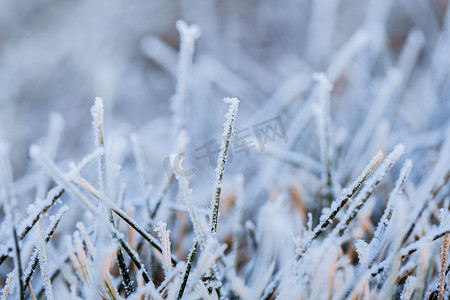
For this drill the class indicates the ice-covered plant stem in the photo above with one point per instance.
(228, 126)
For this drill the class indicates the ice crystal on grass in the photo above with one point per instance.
(97, 123)
(43, 264)
(187, 197)
(163, 235)
(409, 287)
(7, 287)
(230, 118)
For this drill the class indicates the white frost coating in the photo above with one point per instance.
(35, 209)
(163, 235)
(187, 196)
(368, 169)
(59, 177)
(362, 248)
(173, 288)
(62, 180)
(428, 187)
(9, 201)
(188, 35)
(174, 274)
(387, 164)
(83, 231)
(228, 126)
(7, 288)
(54, 220)
(97, 112)
(424, 241)
(336, 205)
(29, 268)
(212, 251)
(203, 292)
(408, 289)
(384, 221)
(43, 265)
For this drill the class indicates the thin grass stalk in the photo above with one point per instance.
(387, 215)
(127, 283)
(142, 232)
(425, 205)
(365, 194)
(444, 254)
(34, 260)
(52, 278)
(30, 288)
(187, 196)
(43, 211)
(187, 271)
(8, 285)
(412, 248)
(326, 220)
(174, 274)
(97, 112)
(408, 288)
(163, 235)
(43, 264)
(222, 160)
(336, 206)
(18, 264)
(63, 181)
(135, 258)
(438, 178)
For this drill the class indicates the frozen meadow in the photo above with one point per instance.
(225, 149)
